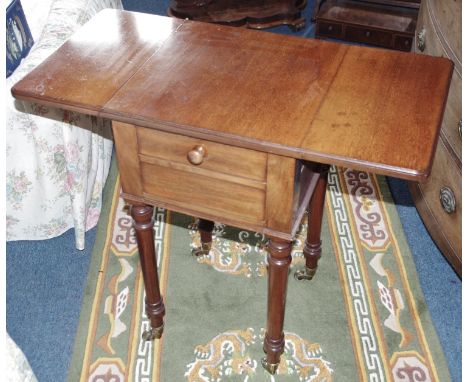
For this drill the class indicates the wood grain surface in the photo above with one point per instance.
(359, 107)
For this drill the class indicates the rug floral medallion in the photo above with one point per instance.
(362, 317)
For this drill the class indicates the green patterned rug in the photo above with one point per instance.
(362, 318)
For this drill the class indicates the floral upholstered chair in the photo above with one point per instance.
(56, 162)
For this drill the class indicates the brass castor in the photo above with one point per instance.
(305, 273)
(153, 333)
(203, 250)
(269, 367)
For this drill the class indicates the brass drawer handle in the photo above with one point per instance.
(447, 200)
(197, 155)
(460, 128)
(421, 38)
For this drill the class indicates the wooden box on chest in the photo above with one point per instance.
(439, 200)
(388, 24)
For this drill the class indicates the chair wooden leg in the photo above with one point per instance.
(279, 259)
(143, 222)
(206, 230)
(313, 244)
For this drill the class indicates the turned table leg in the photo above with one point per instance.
(279, 258)
(206, 230)
(143, 222)
(313, 244)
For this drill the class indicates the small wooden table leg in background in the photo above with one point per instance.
(313, 244)
(205, 228)
(143, 222)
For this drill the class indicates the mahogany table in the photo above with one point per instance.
(240, 126)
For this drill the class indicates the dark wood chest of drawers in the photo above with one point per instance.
(439, 200)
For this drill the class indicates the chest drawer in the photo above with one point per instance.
(428, 42)
(328, 29)
(369, 36)
(451, 125)
(442, 195)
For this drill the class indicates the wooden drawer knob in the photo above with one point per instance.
(447, 200)
(197, 155)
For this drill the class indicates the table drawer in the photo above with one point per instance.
(218, 158)
(223, 180)
(201, 193)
